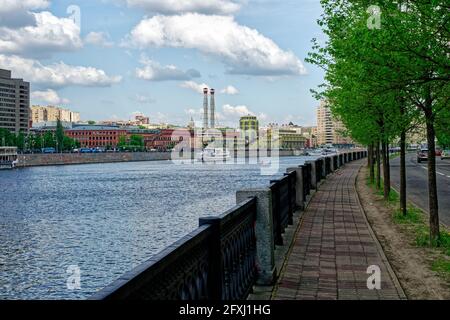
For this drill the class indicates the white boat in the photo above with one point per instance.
(8, 157)
(316, 153)
(214, 155)
(322, 152)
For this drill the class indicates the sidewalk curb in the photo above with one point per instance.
(380, 250)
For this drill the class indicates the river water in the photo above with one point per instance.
(104, 219)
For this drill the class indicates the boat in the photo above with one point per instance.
(322, 152)
(214, 155)
(8, 157)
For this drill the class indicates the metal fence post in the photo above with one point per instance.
(215, 284)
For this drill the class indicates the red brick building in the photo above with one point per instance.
(166, 139)
(96, 136)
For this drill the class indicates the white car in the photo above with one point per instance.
(445, 154)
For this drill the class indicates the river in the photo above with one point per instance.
(104, 219)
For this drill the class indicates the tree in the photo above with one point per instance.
(122, 141)
(7, 139)
(49, 140)
(20, 141)
(136, 140)
(59, 136)
(377, 79)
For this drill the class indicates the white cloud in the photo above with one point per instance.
(192, 85)
(236, 111)
(153, 71)
(230, 115)
(183, 6)
(16, 13)
(49, 96)
(230, 90)
(142, 99)
(99, 39)
(50, 34)
(242, 49)
(57, 74)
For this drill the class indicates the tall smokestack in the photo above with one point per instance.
(205, 109)
(213, 109)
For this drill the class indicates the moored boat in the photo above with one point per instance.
(8, 157)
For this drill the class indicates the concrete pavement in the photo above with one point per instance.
(334, 247)
(417, 183)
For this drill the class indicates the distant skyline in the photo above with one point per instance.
(110, 59)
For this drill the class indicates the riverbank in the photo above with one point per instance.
(34, 160)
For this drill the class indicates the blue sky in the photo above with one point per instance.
(153, 56)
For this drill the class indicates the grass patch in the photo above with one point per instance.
(442, 266)
(413, 216)
(423, 239)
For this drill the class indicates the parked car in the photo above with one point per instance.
(422, 155)
(85, 150)
(48, 150)
(445, 154)
(438, 152)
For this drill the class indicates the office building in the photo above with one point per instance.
(42, 114)
(14, 103)
(330, 131)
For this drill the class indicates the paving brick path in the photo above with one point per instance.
(334, 247)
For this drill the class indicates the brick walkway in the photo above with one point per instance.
(334, 247)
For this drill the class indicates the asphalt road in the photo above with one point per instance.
(417, 183)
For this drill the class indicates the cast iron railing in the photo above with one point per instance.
(307, 180)
(327, 165)
(215, 262)
(283, 204)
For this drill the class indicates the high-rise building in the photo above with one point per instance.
(249, 126)
(14, 103)
(324, 124)
(330, 131)
(51, 114)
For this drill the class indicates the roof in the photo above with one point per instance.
(94, 127)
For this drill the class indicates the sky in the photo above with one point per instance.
(111, 59)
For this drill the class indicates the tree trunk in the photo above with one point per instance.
(403, 172)
(372, 164)
(386, 186)
(432, 183)
(378, 182)
(388, 168)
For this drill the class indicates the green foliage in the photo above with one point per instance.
(59, 136)
(136, 140)
(122, 141)
(7, 139)
(443, 128)
(49, 140)
(382, 81)
(413, 216)
(442, 266)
